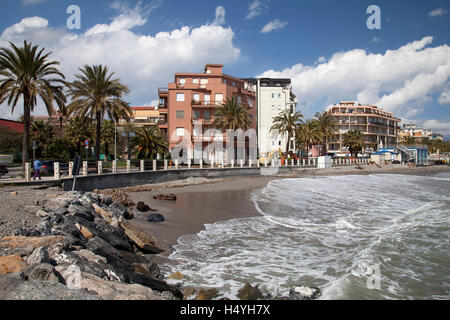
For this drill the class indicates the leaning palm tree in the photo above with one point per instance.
(308, 134)
(26, 72)
(95, 94)
(42, 133)
(327, 126)
(232, 115)
(148, 143)
(285, 124)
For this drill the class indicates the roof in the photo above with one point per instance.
(269, 81)
(11, 124)
(143, 108)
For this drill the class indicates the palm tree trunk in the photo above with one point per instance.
(97, 142)
(26, 129)
(287, 144)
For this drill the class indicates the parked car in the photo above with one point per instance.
(49, 166)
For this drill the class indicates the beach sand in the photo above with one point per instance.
(204, 201)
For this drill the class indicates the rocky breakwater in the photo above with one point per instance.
(84, 248)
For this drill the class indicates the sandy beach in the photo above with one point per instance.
(202, 201)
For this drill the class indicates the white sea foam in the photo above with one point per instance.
(326, 232)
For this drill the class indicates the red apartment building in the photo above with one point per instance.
(196, 97)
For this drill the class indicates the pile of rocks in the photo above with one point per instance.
(84, 248)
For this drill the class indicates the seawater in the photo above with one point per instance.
(333, 233)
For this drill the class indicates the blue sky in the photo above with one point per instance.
(325, 47)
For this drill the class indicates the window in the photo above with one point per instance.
(225, 81)
(196, 97)
(239, 100)
(233, 84)
(207, 115)
(180, 132)
(203, 81)
(194, 80)
(279, 96)
(273, 95)
(180, 97)
(251, 117)
(207, 98)
(180, 114)
(250, 102)
(182, 81)
(219, 98)
(292, 109)
(279, 143)
(196, 114)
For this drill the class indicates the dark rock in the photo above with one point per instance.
(132, 257)
(155, 217)
(73, 234)
(112, 255)
(141, 206)
(153, 284)
(42, 272)
(304, 293)
(86, 215)
(14, 287)
(40, 255)
(248, 292)
(170, 197)
(56, 218)
(106, 201)
(61, 211)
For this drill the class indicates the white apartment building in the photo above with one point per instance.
(272, 97)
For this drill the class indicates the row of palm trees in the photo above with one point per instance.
(27, 73)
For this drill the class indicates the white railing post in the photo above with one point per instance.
(249, 163)
(154, 165)
(114, 166)
(70, 169)
(85, 168)
(27, 171)
(258, 164)
(56, 172)
(232, 163)
(176, 164)
(201, 163)
(265, 162)
(189, 163)
(100, 167)
(165, 164)
(242, 163)
(128, 166)
(142, 165)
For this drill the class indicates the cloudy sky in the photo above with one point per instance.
(325, 47)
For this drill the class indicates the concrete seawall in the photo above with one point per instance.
(121, 180)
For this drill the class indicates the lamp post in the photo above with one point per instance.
(115, 139)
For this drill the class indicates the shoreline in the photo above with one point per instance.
(202, 202)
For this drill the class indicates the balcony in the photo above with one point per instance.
(205, 104)
(163, 91)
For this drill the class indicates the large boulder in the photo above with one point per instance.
(42, 272)
(12, 264)
(14, 287)
(40, 255)
(35, 242)
(170, 197)
(155, 217)
(145, 242)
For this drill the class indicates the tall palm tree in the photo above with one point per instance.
(285, 124)
(149, 142)
(308, 134)
(327, 126)
(354, 141)
(95, 94)
(408, 140)
(26, 72)
(232, 115)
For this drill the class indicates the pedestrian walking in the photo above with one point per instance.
(37, 167)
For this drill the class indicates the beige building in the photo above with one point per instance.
(380, 128)
(145, 117)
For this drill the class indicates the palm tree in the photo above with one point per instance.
(77, 130)
(148, 143)
(353, 140)
(232, 115)
(308, 134)
(27, 73)
(408, 140)
(42, 133)
(285, 124)
(327, 126)
(108, 135)
(95, 94)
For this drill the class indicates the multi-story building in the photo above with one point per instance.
(144, 117)
(379, 127)
(272, 97)
(418, 133)
(196, 97)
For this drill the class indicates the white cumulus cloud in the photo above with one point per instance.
(401, 80)
(220, 16)
(144, 62)
(255, 8)
(273, 25)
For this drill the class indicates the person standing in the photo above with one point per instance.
(37, 167)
